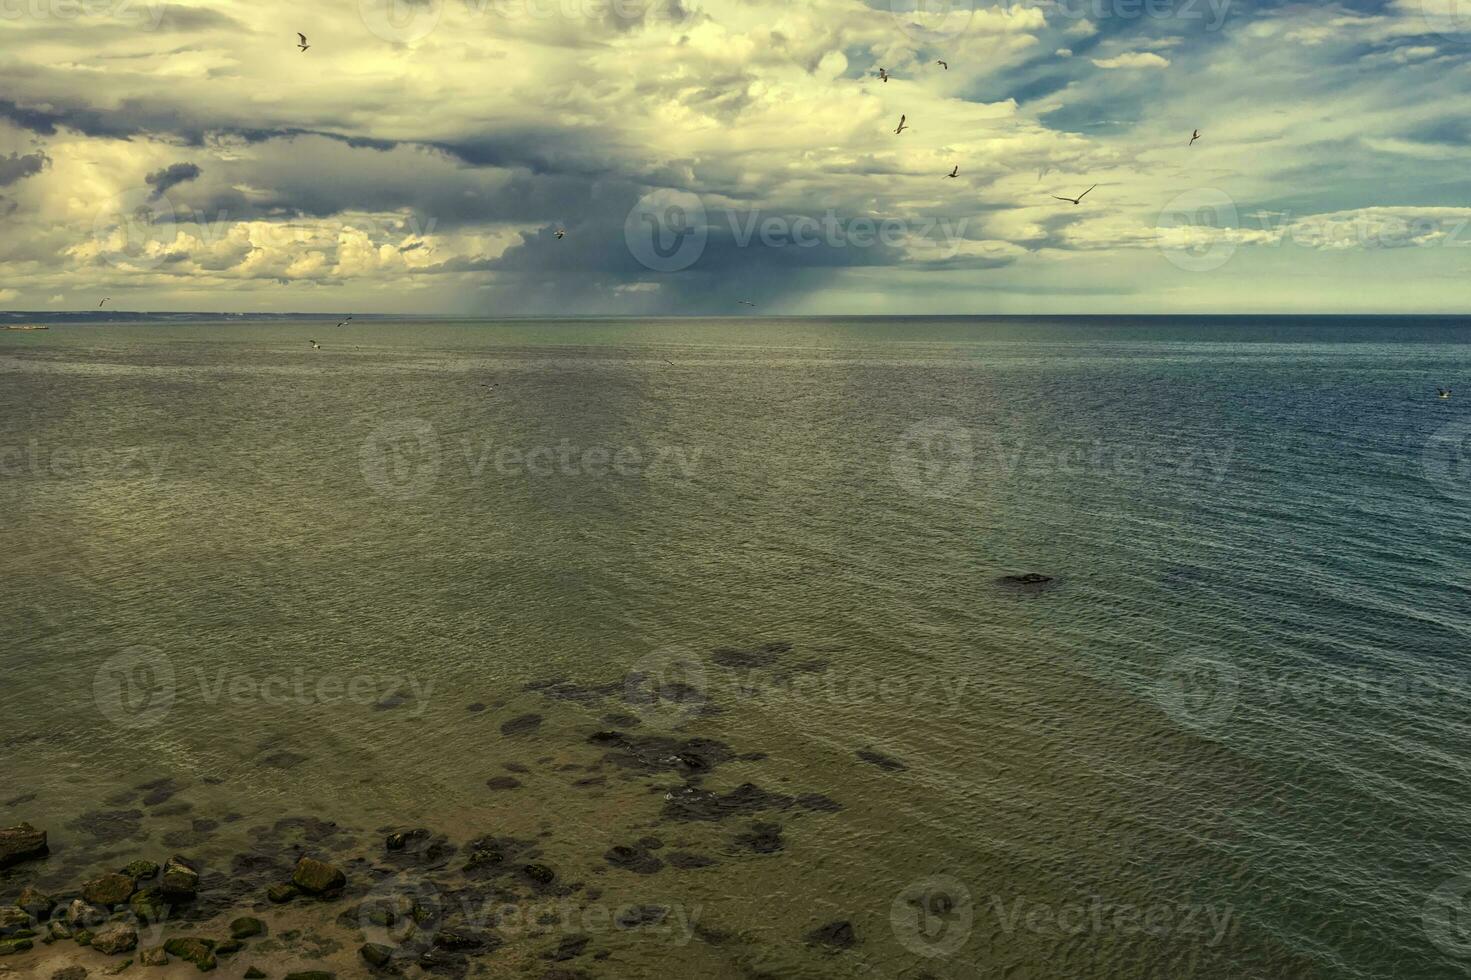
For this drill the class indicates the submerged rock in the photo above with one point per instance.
(503, 782)
(634, 858)
(398, 841)
(21, 843)
(764, 838)
(887, 763)
(834, 935)
(1028, 582)
(690, 803)
(246, 927)
(521, 725)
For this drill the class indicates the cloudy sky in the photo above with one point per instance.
(421, 156)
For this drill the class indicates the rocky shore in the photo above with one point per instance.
(311, 899)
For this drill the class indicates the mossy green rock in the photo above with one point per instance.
(157, 956)
(141, 869)
(83, 937)
(245, 927)
(376, 954)
(18, 945)
(149, 905)
(254, 974)
(281, 893)
(191, 949)
(317, 877)
(14, 920)
(180, 881)
(109, 890)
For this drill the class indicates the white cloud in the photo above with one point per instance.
(1133, 59)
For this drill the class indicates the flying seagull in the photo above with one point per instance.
(1444, 392)
(1193, 138)
(943, 65)
(902, 127)
(490, 386)
(955, 172)
(104, 300)
(303, 45)
(1075, 200)
(561, 232)
(883, 74)
(316, 346)
(745, 302)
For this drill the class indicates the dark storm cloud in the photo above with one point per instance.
(171, 176)
(17, 167)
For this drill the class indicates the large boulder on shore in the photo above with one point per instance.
(180, 881)
(21, 843)
(112, 889)
(317, 877)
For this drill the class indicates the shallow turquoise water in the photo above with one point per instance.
(1243, 703)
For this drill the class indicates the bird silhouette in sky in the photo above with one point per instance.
(1075, 200)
